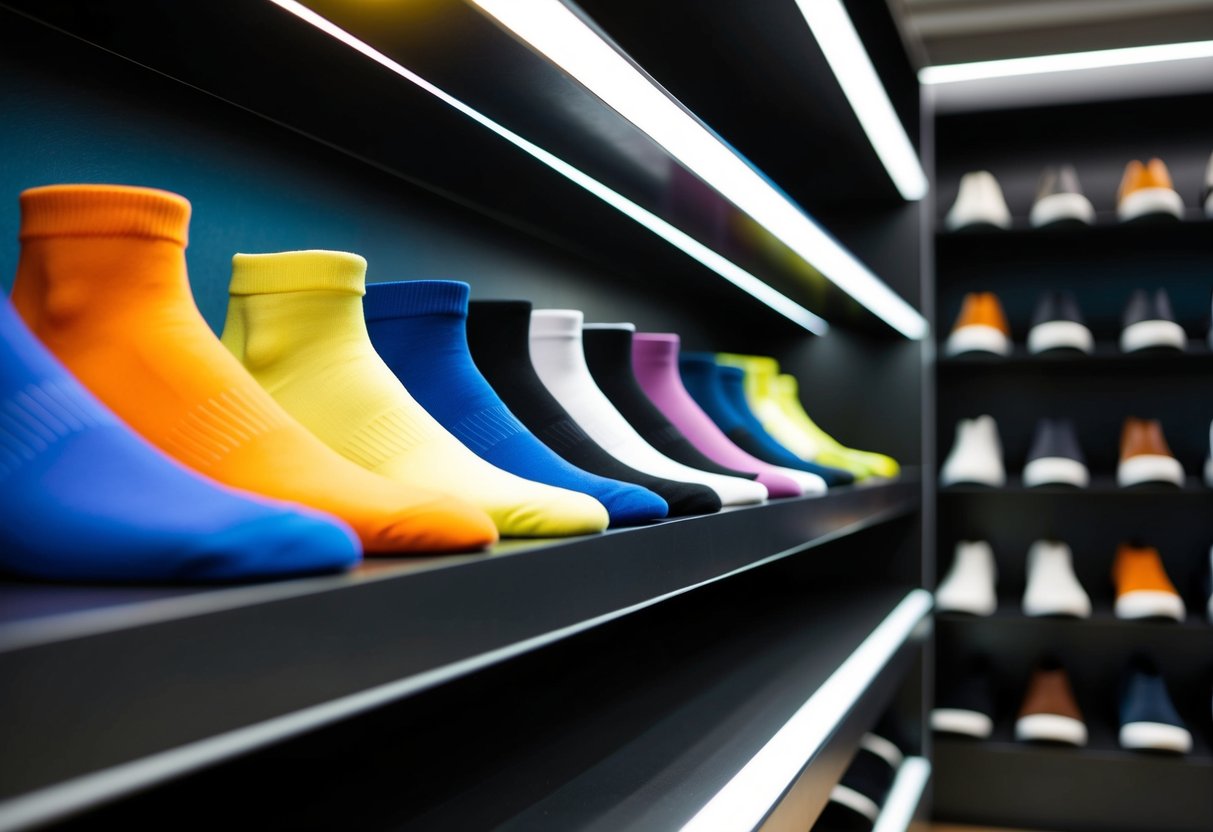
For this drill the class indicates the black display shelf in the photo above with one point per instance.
(1107, 358)
(261, 662)
(1097, 789)
(1102, 485)
(1195, 625)
(1082, 241)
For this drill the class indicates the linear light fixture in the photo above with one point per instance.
(730, 271)
(756, 788)
(557, 32)
(1070, 61)
(835, 34)
(905, 795)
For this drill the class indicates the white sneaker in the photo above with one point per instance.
(1053, 588)
(979, 202)
(976, 456)
(969, 584)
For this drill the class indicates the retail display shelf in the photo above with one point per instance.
(1088, 240)
(754, 731)
(1195, 626)
(1107, 358)
(1100, 787)
(1101, 485)
(265, 661)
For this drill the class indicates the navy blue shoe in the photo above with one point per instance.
(1055, 457)
(1148, 719)
(966, 705)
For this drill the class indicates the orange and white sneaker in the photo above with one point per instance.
(981, 326)
(1146, 191)
(1143, 589)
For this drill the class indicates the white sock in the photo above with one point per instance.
(559, 360)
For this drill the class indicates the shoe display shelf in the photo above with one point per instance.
(644, 678)
(1000, 782)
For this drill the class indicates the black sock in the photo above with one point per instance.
(608, 351)
(499, 338)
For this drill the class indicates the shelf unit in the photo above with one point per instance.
(1001, 782)
(612, 682)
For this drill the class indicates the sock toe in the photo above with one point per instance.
(632, 506)
(281, 544)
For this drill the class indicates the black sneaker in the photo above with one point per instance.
(1057, 324)
(1149, 323)
(1055, 457)
(966, 706)
(1060, 201)
(1148, 719)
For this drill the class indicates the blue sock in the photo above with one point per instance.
(418, 327)
(86, 499)
(720, 391)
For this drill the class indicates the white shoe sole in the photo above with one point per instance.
(1150, 603)
(946, 601)
(977, 338)
(882, 748)
(1056, 470)
(1155, 736)
(1150, 201)
(856, 802)
(1137, 470)
(1060, 208)
(1146, 335)
(1051, 728)
(1060, 335)
(956, 721)
(1075, 606)
(957, 475)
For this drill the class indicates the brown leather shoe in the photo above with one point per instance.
(1049, 712)
(981, 326)
(1145, 456)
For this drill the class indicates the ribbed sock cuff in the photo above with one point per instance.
(298, 271)
(655, 347)
(758, 365)
(556, 323)
(416, 298)
(700, 359)
(104, 211)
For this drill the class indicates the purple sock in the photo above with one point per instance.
(655, 359)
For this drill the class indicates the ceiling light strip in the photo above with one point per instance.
(730, 271)
(749, 797)
(558, 33)
(835, 34)
(1068, 62)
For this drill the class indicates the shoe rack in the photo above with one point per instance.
(1001, 782)
(613, 682)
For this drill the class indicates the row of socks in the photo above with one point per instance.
(1055, 456)
(1049, 711)
(1142, 587)
(1146, 192)
(1057, 326)
(379, 407)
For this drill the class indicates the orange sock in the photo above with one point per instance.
(102, 282)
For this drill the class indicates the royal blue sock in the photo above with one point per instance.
(86, 499)
(418, 327)
(720, 391)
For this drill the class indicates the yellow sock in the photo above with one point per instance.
(784, 390)
(295, 321)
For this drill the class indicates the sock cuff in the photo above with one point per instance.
(655, 347)
(416, 298)
(298, 271)
(556, 323)
(759, 365)
(699, 360)
(619, 327)
(104, 211)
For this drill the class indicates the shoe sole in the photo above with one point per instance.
(1060, 335)
(856, 802)
(1149, 468)
(1155, 736)
(958, 721)
(1056, 470)
(1150, 202)
(977, 338)
(1150, 603)
(1059, 208)
(1051, 728)
(1145, 335)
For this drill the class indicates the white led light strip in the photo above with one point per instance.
(746, 799)
(1042, 64)
(555, 31)
(835, 34)
(730, 271)
(897, 813)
